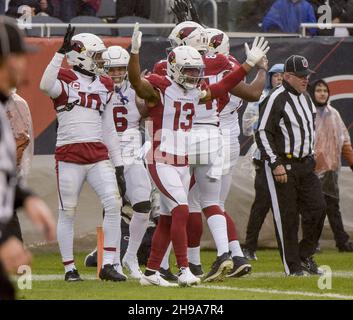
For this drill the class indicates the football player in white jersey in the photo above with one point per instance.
(80, 95)
(171, 100)
(121, 122)
(205, 128)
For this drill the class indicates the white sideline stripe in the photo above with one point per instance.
(54, 277)
(51, 277)
(296, 293)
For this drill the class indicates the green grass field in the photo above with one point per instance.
(267, 281)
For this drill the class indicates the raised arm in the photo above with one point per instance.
(142, 87)
(254, 55)
(251, 92)
(50, 83)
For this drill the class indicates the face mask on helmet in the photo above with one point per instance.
(185, 66)
(190, 76)
(87, 53)
(118, 74)
(116, 67)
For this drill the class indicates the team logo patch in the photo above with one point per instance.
(171, 57)
(185, 32)
(77, 46)
(305, 63)
(216, 41)
(76, 85)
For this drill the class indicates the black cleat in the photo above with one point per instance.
(309, 265)
(109, 273)
(297, 274)
(166, 274)
(241, 267)
(91, 259)
(249, 254)
(72, 276)
(196, 270)
(220, 268)
(347, 247)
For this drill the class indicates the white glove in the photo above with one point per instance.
(136, 39)
(258, 50)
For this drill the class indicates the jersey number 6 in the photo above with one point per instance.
(119, 120)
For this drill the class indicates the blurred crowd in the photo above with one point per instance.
(280, 16)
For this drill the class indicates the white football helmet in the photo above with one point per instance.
(218, 41)
(189, 33)
(185, 66)
(87, 53)
(116, 57)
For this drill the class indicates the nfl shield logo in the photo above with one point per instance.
(305, 63)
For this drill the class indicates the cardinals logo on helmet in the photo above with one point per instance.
(78, 46)
(171, 57)
(185, 32)
(216, 40)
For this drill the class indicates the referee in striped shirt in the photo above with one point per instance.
(285, 137)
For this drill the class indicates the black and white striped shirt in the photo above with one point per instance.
(286, 125)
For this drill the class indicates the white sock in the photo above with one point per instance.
(194, 255)
(108, 256)
(137, 229)
(69, 267)
(65, 236)
(218, 227)
(234, 247)
(112, 235)
(165, 261)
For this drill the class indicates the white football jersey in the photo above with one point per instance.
(79, 107)
(173, 116)
(121, 121)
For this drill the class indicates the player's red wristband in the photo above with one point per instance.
(222, 87)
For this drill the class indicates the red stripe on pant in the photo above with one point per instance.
(212, 211)
(231, 230)
(194, 229)
(57, 183)
(152, 168)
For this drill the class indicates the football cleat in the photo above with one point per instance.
(220, 268)
(133, 268)
(196, 270)
(109, 273)
(241, 267)
(166, 274)
(155, 280)
(187, 279)
(72, 276)
(91, 259)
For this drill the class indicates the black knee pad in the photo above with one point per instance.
(143, 207)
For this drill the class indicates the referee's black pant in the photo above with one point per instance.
(302, 191)
(259, 208)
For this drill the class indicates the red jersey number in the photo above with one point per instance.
(86, 100)
(119, 120)
(189, 110)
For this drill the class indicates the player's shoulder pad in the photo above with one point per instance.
(67, 75)
(107, 82)
(216, 63)
(160, 67)
(158, 82)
